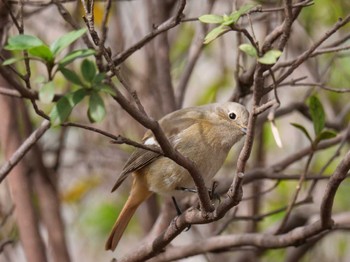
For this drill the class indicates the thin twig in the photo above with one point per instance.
(262, 192)
(23, 149)
(116, 139)
(330, 160)
(336, 90)
(168, 24)
(306, 55)
(295, 196)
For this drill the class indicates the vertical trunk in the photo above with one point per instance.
(161, 12)
(49, 203)
(19, 183)
(50, 212)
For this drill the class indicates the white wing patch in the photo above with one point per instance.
(151, 141)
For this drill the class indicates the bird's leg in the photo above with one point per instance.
(212, 194)
(178, 211)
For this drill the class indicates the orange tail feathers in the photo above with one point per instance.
(139, 193)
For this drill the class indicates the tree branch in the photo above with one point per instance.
(23, 149)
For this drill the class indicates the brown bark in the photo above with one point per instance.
(161, 12)
(49, 202)
(19, 183)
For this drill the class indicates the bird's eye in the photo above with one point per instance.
(232, 116)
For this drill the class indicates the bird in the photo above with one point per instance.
(204, 134)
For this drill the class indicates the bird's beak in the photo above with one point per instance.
(244, 130)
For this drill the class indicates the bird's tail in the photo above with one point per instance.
(139, 193)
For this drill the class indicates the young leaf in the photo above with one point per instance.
(106, 89)
(97, 109)
(65, 40)
(270, 57)
(88, 70)
(215, 33)
(12, 60)
(47, 92)
(71, 76)
(23, 42)
(69, 58)
(246, 8)
(232, 18)
(42, 51)
(325, 134)
(303, 129)
(249, 50)
(65, 105)
(317, 114)
(211, 19)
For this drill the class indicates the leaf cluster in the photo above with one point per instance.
(269, 58)
(225, 22)
(89, 85)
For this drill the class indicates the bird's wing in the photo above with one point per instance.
(138, 159)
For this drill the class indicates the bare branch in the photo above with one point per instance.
(116, 139)
(227, 242)
(332, 187)
(168, 24)
(23, 149)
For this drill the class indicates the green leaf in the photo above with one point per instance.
(106, 89)
(88, 70)
(215, 33)
(76, 97)
(23, 42)
(270, 57)
(211, 19)
(236, 15)
(317, 114)
(99, 78)
(42, 51)
(65, 105)
(65, 40)
(71, 76)
(303, 129)
(232, 18)
(69, 58)
(249, 50)
(47, 92)
(97, 109)
(229, 20)
(246, 8)
(12, 60)
(325, 134)
(60, 111)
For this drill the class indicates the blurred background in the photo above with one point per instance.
(84, 165)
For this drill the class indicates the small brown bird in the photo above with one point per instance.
(204, 134)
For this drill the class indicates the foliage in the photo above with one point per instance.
(269, 58)
(318, 119)
(224, 21)
(90, 84)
